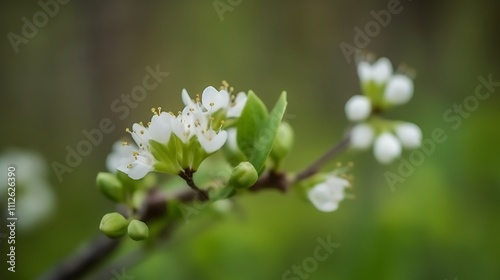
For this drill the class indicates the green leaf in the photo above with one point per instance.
(257, 130)
(252, 118)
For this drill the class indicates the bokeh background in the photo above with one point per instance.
(441, 223)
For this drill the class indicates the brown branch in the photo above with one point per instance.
(325, 158)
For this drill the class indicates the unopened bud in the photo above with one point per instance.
(244, 175)
(110, 186)
(138, 230)
(114, 225)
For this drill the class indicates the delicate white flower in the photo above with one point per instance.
(409, 134)
(362, 136)
(193, 125)
(236, 107)
(121, 154)
(327, 195)
(35, 198)
(379, 72)
(358, 108)
(387, 148)
(214, 100)
(399, 89)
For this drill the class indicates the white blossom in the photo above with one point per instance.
(399, 89)
(409, 134)
(327, 195)
(35, 198)
(362, 136)
(358, 108)
(196, 122)
(387, 148)
(379, 72)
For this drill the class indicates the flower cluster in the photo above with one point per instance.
(172, 143)
(382, 89)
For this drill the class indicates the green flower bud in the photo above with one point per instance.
(138, 230)
(244, 175)
(282, 143)
(110, 186)
(114, 225)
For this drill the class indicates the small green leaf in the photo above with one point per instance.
(257, 131)
(252, 118)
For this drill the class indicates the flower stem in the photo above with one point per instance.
(314, 167)
(187, 175)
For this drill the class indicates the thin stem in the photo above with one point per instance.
(325, 158)
(187, 175)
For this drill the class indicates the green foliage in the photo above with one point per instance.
(257, 129)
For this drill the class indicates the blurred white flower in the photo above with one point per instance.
(378, 72)
(362, 136)
(409, 134)
(327, 195)
(399, 90)
(35, 197)
(387, 148)
(358, 108)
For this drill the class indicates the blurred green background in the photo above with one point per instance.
(441, 223)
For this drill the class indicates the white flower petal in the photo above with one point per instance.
(358, 108)
(387, 148)
(381, 70)
(235, 110)
(409, 134)
(160, 128)
(214, 100)
(211, 141)
(364, 71)
(120, 155)
(140, 135)
(139, 170)
(319, 195)
(362, 136)
(186, 99)
(399, 89)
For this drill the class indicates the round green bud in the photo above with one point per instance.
(113, 225)
(283, 142)
(138, 230)
(244, 175)
(110, 186)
